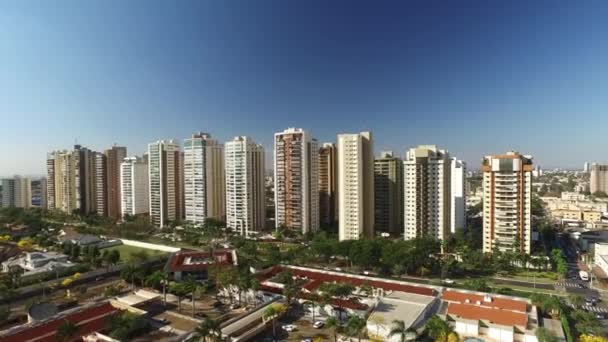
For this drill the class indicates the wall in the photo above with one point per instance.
(148, 245)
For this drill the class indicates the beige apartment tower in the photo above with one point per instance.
(507, 188)
(427, 192)
(296, 172)
(355, 186)
(165, 182)
(328, 185)
(245, 192)
(114, 157)
(388, 192)
(598, 178)
(204, 183)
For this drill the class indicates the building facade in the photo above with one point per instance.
(101, 184)
(245, 197)
(16, 193)
(39, 187)
(328, 185)
(458, 203)
(296, 172)
(427, 192)
(507, 188)
(204, 183)
(134, 187)
(355, 186)
(388, 186)
(165, 182)
(114, 158)
(598, 178)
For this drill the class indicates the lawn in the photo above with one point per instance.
(126, 252)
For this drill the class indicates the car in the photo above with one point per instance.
(217, 304)
(600, 316)
(338, 269)
(448, 281)
(318, 324)
(307, 340)
(234, 306)
(289, 327)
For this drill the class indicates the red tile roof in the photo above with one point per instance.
(220, 256)
(496, 316)
(88, 320)
(497, 302)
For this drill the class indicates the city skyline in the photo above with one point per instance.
(488, 78)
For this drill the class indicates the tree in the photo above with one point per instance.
(192, 286)
(156, 279)
(576, 300)
(126, 325)
(440, 330)
(356, 325)
(544, 335)
(273, 312)
(378, 321)
(208, 328)
(128, 273)
(333, 323)
(179, 290)
(67, 331)
(341, 291)
(589, 338)
(399, 329)
(313, 300)
(549, 305)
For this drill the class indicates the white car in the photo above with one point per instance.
(448, 281)
(318, 324)
(289, 327)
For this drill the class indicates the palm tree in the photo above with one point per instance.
(159, 278)
(333, 323)
(576, 300)
(313, 300)
(273, 312)
(440, 330)
(180, 291)
(208, 328)
(356, 325)
(66, 331)
(399, 329)
(128, 273)
(192, 286)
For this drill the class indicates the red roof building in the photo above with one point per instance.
(196, 263)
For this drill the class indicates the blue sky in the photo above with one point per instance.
(475, 77)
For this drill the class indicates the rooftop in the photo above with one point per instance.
(486, 300)
(197, 260)
(496, 316)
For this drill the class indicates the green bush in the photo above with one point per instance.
(566, 327)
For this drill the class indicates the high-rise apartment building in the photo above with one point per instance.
(458, 201)
(355, 186)
(296, 172)
(427, 199)
(113, 159)
(598, 178)
(134, 185)
(586, 167)
(166, 183)
(507, 189)
(71, 180)
(101, 184)
(16, 193)
(328, 185)
(245, 196)
(388, 192)
(204, 184)
(39, 192)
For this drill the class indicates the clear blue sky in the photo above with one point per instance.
(473, 77)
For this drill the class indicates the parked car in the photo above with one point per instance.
(318, 324)
(217, 304)
(307, 340)
(448, 281)
(234, 306)
(600, 316)
(289, 327)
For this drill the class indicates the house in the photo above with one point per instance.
(80, 239)
(37, 262)
(182, 264)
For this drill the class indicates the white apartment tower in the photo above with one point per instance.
(355, 186)
(427, 188)
(134, 184)
(16, 193)
(507, 188)
(204, 184)
(458, 202)
(245, 193)
(296, 172)
(165, 178)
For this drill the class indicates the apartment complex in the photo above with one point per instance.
(245, 205)
(427, 192)
(355, 185)
(101, 183)
(38, 187)
(388, 192)
(204, 184)
(507, 188)
(113, 158)
(328, 185)
(296, 172)
(71, 180)
(134, 187)
(458, 202)
(598, 178)
(166, 184)
(16, 193)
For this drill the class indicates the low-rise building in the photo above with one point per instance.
(600, 259)
(196, 263)
(37, 262)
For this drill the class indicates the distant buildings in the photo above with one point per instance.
(427, 194)
(245, 204)
(388, 192)
(586, 167)
(16, 193)
(134, 182)
(328, 185)
(355, 186)
(204, 184)
(598, 178)
(507, 188)
(165, 179)
(296, 172)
